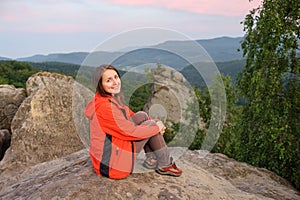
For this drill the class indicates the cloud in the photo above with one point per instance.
(39, 26)
(45, 16)
(114, 15)
(215, 7)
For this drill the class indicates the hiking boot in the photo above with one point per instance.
(150, 163)
(171, 170)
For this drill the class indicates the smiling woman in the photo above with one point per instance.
(117, 134)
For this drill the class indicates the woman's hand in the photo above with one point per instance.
(161, 127)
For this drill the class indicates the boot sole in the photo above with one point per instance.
(167, 173)
(149, 166)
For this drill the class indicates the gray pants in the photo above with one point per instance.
(154, 146)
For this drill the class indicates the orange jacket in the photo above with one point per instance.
(112, 136)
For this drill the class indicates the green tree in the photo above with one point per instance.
(15, 73)
(269, 129)
(227, 140)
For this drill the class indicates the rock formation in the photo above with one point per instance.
(170, 95)
(47, 160)
(43, 128)
(10, 100)
(211, 177)
(5, 138)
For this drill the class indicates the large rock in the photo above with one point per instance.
(5, 138)
(43, 127)
(10, 100)
(170, 95)
(72, 177)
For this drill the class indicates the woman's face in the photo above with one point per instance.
(111, 82)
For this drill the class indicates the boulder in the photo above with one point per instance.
(5, 138)
(10, 100)
(44, 128)
(170, 95)
(72, 177)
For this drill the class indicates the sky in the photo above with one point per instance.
(30, 27)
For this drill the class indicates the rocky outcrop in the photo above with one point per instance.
(10, 100)
(203, 178)
(47, 159)
(170, 95)
(5, 138)
(43, 128)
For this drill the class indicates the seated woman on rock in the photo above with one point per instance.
(117, 134)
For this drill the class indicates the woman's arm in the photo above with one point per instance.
(113, 122)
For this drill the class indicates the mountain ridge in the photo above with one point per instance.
(220, 49)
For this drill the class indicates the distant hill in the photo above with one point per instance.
(4, 58)
(75, 58)
(58, 67)
(230, 68)
(223, 48)
(220, 49)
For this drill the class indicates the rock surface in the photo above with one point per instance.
(72, 177)
(43, 128)
(10, 100)
(170, 95)
(47, 160)
(5, 138)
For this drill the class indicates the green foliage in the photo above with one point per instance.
(269, 129)
(15, 73)
(140, 97)
(58, 67)
(204, 109)
(226, 138)
(171, 132)
(84, 76)
(136, 89)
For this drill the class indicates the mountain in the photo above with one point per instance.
(219, 49)
(228, 68)
(223, 48)
(75, 58)
(167, 53)
(4, 58)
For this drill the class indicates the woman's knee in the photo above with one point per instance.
(139, 117)
(142, 113)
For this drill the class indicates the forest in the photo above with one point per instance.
(263, 130)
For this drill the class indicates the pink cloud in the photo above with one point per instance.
(21, 11)
(218, 7)
(34, 16)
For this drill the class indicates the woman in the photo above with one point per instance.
(117, 134)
